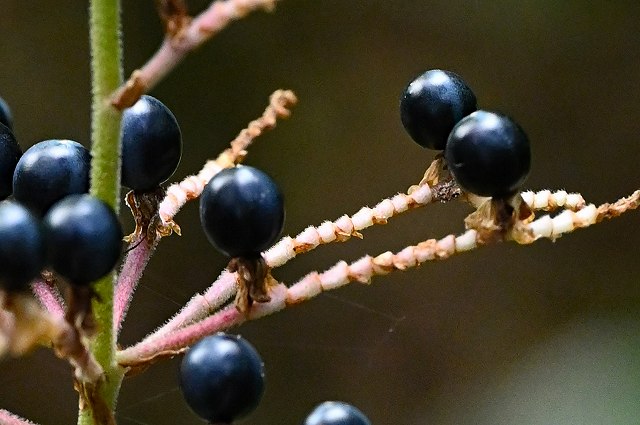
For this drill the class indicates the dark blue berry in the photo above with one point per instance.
(6, 117)
(242, 211)
(222, 378)
(432, 104)
(10, 153)
(83, 237)
(50, 170)
(488, 154)
(22, 251)
(336, 413)
(151, 144)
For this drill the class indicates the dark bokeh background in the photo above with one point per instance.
(545, 334)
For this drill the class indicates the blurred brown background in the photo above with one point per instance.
(545, 334)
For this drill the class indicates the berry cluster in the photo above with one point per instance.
(487, 153)
(52, 221)
(222, 380)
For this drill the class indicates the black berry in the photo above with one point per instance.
(222, 378)
(10, 153)
(336, 413)
(22, 252)
(151, 144)
(50, 170)
(6, 117)
(242, 211)
(432, 104)
(83, 237)
(488, 154)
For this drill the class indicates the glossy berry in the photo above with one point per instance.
(83, 237)
(488, 154)
(151, 144)
(10, 153)
(432, 104)
(242, 211)
(22, 252)
(6, 117)
(222, 378)
(50, 170)
(336, 413)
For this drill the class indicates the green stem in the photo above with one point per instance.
(106, 70)
(106, 78)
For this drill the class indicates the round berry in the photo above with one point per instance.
(242, 211)
(10, 153)
(22, 251)
(222, 378)
(151, 144)
(432, 104)
(336, 413)
(83, 237)
(6, 117)
(50, 170)
(488, 154)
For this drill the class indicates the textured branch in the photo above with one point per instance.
(346, 227)
(8, 418)
(364, 269)
(178, 45)
(280, 103)
(546, 200)
(341, 230)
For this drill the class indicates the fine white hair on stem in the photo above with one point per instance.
(49, 297)
(200, 305)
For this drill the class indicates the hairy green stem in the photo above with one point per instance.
(105, 120)
(106, 72)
